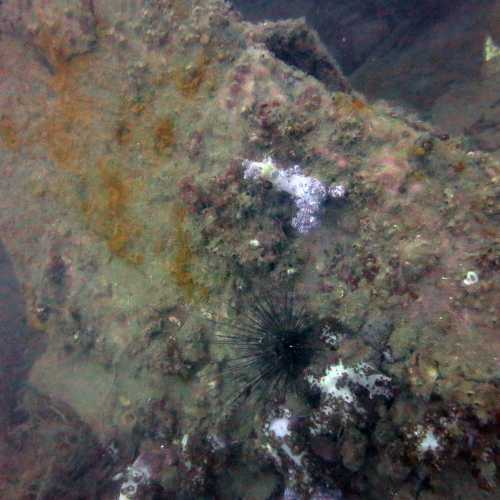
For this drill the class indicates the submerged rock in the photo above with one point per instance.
(134, 234)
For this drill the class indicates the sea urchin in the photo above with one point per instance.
(273, 344)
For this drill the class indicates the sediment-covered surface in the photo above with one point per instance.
(134, 236)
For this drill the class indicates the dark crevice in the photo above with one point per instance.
(297, 45)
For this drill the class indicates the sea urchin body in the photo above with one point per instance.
(273, 344)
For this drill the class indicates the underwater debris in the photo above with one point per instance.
(308, 193)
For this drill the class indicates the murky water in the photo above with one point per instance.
(249, 252)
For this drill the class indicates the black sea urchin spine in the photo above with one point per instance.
(272, 342)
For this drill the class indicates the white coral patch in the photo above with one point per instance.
(428, 441)
(280, 427)
(338, 381)
(308, 193)
(135, 475)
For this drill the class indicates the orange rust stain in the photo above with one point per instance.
(164, 137)
(180, 10)
(180, 267)
(118, 192)
(51, 46)
(160, 247)
(67, 74)
(418, 151)
(66, 134)
(106, 212)
(490, 232)
(70, 129)
(417, 175)
(8, 134)
(359, 105)
(137, 108)
(72, 132)
(189, 80)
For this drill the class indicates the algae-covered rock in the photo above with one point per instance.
(59, 31)
(404, 340)
(353, 450)
(417, 257)
(138, 239)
